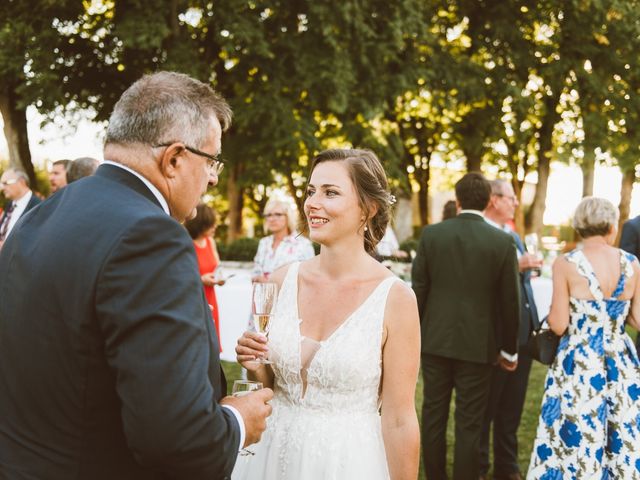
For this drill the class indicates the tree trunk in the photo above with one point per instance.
(588, 169)
(626, 189)
(422, 175)
(514, 163)
(234, 194)
(519, 215)
(15, 131)
(534, 218)
(474, 160)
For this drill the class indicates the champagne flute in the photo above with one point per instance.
(241, 388)
(532, 246)
(263, 304)
(244, 387)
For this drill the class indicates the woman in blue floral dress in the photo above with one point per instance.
(589, 425)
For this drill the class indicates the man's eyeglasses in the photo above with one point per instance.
(274, 215)
(9, 182)
(510, 197)
(215, 164)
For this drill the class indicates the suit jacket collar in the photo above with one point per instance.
(122, 176)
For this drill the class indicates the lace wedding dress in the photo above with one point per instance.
(325, 422)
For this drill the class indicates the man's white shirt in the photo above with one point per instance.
(19, 206)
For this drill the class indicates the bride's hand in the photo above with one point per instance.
(251, 346)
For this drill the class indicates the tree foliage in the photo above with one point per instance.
(502, 86)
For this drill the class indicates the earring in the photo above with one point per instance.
(366, 229)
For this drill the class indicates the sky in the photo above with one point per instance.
(59, 140)
(85, 140)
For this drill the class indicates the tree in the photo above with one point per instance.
(31, 66)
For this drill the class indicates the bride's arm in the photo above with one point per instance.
(400, 365)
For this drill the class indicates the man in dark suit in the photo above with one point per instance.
(15, 187)
(109, 366)
(508, 389)
(465, 276)
(630, 242)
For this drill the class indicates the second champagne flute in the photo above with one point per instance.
(263, 305)
(533, 247)
(240, 389)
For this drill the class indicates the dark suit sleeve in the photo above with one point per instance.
(420, 281)
(629, 238)
(509, 300)
(151, 308)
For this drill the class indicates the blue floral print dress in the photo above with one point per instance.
(589, 424)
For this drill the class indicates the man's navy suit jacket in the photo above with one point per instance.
(630, 236)
(109, 365)
(529, 320)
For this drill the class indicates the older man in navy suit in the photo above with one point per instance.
(630, 242)
(508, 389)
(15, 187)
(109, 366)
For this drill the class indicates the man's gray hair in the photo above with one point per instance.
(497, 186)
(20, 174)
(166, 107)
(82, 167)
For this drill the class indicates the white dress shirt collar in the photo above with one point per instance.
(150, 186)
(475, 212)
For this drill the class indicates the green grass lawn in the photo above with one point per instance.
(528, 425)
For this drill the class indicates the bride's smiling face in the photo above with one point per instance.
(331, 207)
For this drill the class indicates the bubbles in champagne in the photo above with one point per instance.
(261, 322)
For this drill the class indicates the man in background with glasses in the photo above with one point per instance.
(112, 370)
(509, 389)
(15, 187)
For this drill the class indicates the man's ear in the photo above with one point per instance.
(171, 159)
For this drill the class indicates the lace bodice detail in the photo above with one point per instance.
(343, 372)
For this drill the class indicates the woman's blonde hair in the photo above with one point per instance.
(595, 216)
(287, 208)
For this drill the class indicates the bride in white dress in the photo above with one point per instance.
(344, 342)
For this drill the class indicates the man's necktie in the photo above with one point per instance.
(4, 227)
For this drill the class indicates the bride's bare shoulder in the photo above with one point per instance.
(280, 274)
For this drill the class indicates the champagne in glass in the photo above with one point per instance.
(244, 387)
(263, 304)
(532, 246)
